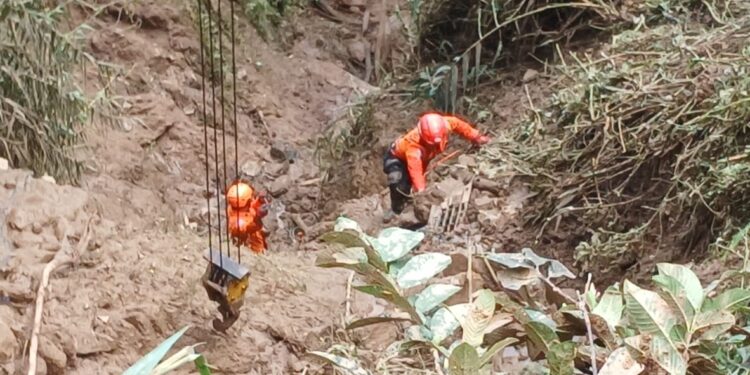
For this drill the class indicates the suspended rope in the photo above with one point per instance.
(234, 117)
(205, 130)
(216, 131)
(225, 279)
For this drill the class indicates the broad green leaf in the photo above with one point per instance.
(531, 256)
(478, 318)
(674, 294)
(590, 296)
(346, 237)
(350, 239)
(610, 307)
(647, 311)
(541, 317)
(687, 279)
(395, 267)
(498, 320)
(442, 325)
(667, 356)
(432, 296)
(374, 320)
(560, 358)
(392, 296)
(344, 258)
(464, 360)
(394, 243)
(349, 366)
(620, 362)
(541, 335)
(729, 300)
(515, 279)
(709, 325)
(511, 260)
(147, 363)
(343, 223)
(422, 268)
(557, 269)
(494, 349)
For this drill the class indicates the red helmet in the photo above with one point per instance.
(239, 195)
(433, 129)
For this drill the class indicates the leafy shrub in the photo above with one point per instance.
(680, 327)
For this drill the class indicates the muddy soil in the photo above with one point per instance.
(136, 280)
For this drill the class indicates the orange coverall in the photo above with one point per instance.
(417, 156)
(246, 226)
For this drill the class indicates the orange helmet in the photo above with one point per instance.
(433, 129)
(239, 195)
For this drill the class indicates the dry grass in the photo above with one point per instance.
(42, 110)
(645, 141)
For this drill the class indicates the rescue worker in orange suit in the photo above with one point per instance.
(245, 212)
(405, 163)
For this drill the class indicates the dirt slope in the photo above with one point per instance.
(137, 281)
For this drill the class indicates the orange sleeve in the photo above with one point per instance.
(462, 128)
(416, 171)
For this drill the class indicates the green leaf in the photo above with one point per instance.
(349, 366)
(351, 239)
(421, 268)
(557, 269)
(374, 320)
(620, 362)
(674, 295)
(343, 223)
(478, 318)
(346, 237)
(541, 335)
(687, 279)
(147, 363)
(647, 311)
(343, 258)
(494, 349)
(202, 366)
(394, 243)
(667, 356)
(392, 296)
(560, 358)
(709, 325)
(610, 307)
(540, 317)
(464, 360)
(432, 296)
(442, 324)
(729, 300)
(515, 279)
(511, 260)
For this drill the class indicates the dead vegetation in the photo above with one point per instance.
(644, 144)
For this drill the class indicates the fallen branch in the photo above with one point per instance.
(65, 256)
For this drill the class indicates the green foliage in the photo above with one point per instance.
(345, 143)
(152, 364)
(42, 110)
(679, 326)
(268, 15)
